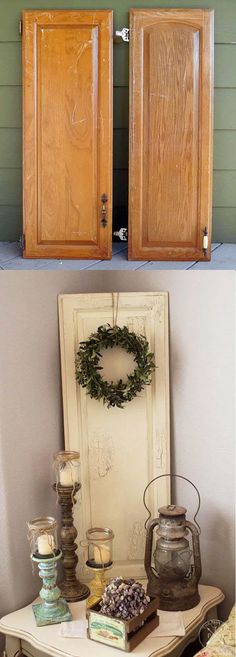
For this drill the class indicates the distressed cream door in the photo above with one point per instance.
(67, 133)
(121, 449)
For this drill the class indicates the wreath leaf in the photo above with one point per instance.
(87, 366)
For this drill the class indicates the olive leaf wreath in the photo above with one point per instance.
(88, 368)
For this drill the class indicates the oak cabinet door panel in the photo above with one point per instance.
(170, 177)
(67, 79)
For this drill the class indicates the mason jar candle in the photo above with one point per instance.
(42, 535)
(100, 542)
(67, 468)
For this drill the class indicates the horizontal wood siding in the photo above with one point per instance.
(224, 196)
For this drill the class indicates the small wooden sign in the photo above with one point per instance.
(125, 635)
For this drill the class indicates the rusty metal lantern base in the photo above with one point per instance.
(71, 588)
(173, 596)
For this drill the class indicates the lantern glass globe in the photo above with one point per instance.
(172, 562)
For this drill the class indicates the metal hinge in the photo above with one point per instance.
(124, 34)
(20, 27)
(122, 234)
(205, 241)
(22, 242)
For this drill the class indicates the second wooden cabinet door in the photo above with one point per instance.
(170, 176)
(67, 103)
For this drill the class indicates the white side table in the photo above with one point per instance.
(22, 634)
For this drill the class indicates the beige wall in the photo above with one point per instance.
(202, 341)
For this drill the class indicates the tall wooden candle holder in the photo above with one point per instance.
(71, 588)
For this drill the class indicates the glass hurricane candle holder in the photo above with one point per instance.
(99, 544)
(42, 535)
(99, 547)
(67, 468)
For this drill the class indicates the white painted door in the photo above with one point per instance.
(121, 449)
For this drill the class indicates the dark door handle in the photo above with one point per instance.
(104, 200)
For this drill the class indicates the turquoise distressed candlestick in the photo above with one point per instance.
(42, 534)
(53, 609)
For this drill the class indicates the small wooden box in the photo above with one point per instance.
(125, 635)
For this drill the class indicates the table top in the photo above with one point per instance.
(21, 624)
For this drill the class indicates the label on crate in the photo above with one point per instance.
(106, 630)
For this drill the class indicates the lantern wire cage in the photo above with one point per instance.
(67, 460)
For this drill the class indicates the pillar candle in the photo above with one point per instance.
(46, 544)
(69, 475)
(102, 554)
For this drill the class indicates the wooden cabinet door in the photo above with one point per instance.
(170, 180)
(67, 112)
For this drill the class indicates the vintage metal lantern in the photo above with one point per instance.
(173, 567)
(99, 544)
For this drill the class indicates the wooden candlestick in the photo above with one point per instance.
(71, 588)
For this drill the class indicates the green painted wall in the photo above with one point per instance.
(224, 193)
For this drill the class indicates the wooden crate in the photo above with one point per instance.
(125, 635)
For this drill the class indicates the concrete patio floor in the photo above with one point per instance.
(223, 257)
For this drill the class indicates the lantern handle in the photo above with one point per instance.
(179, 477)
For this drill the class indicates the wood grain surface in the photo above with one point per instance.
(170, 178)
(67, 133)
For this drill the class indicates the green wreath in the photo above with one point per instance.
(87, 365)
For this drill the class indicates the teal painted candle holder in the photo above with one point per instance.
(42, 535)
(53, 609)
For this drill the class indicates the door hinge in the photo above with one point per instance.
(122, 234)
(22, 242)
(205, 241)
(124, 34)
(20, 27)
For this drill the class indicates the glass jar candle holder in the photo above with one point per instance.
(100, 543)
(42, 535)
(67, 468)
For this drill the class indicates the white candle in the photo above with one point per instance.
(69, 475)
(102, 554)
(46, 544)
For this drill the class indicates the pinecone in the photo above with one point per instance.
(123, 598)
